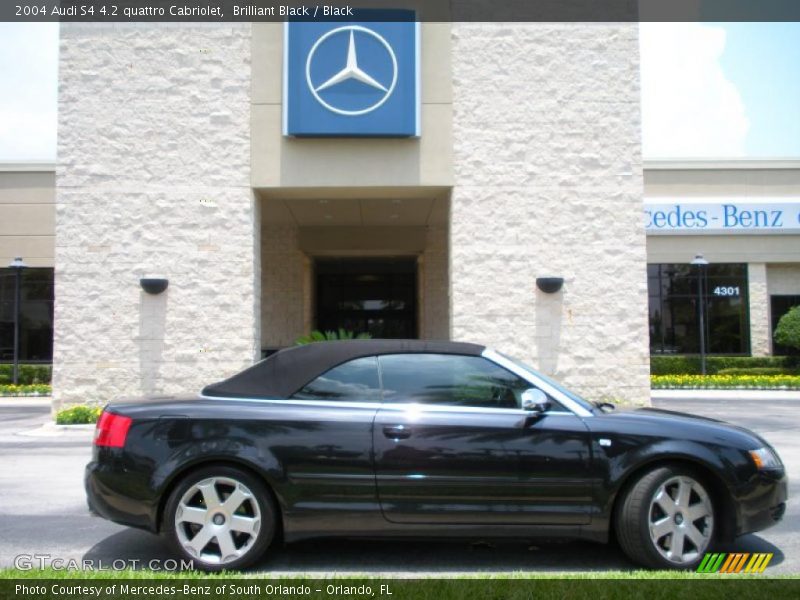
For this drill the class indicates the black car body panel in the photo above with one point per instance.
(393, 470)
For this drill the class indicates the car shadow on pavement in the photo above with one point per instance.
(752, 543)
(138, 549)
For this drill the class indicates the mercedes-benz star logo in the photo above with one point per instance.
(351, 70)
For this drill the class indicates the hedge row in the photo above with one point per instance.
(683, 365)
(28, 374)
(29, 389)
(717, 382)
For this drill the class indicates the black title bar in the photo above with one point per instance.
(121, 11)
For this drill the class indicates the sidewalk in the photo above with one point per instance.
(791, 395)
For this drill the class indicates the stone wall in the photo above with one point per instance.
(153, 180)
(548, 181)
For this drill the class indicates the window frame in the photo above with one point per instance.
(572, 407)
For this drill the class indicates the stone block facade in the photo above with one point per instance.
(548, 181)
(153, 179)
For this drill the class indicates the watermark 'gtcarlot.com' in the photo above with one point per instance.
(26, 562)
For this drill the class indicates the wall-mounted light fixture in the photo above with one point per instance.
(154, 286)
(549, 285)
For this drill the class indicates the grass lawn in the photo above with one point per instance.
(149, 585)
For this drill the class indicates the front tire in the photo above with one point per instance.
(220, 518)
(665, 520)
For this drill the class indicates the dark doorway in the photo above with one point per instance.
(367, 295)
(780, 305)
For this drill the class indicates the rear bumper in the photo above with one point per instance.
(106, 497)
(764, 503)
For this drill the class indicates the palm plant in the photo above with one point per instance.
(328, 336)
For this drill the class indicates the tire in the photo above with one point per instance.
(666, 519)
(220, 518)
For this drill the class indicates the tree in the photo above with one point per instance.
(787, 333)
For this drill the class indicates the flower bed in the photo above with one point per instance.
(30, 389)
(726, 382)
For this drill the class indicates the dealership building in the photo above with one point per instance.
(467, 181)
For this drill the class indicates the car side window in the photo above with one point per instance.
(447, 379)
(353, 381)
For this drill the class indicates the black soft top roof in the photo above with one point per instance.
(286, 371)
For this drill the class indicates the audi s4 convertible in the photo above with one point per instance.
(414, 439)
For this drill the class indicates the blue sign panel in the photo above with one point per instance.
(351, 79)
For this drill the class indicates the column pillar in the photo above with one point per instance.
(760, 334)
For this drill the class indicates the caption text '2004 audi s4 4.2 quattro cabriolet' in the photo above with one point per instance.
(410, 439)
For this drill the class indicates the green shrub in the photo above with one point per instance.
(758, 371)
(688, 365)
(28, 374)
(31, 389)
(787, 333)
(329, 336)
(80, 414)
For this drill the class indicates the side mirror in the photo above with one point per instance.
(535, 400)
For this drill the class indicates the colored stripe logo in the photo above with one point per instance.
(735, 562)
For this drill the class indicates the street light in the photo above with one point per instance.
(17, 265)
(701, 263)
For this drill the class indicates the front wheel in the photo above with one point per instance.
(665, 520)
(220, 518)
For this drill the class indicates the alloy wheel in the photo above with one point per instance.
(681, 520)
(217, 520)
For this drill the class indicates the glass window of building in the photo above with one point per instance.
(36, 315)
(376, 296)
(674, 309)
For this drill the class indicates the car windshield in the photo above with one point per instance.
(571, 395)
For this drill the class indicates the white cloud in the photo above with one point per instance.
(28, 91)
(689, 108)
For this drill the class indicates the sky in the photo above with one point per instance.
(720, 90)
(28, 91)
(708, 90)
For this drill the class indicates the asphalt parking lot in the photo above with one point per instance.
(44, 511)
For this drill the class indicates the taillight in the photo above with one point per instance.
(111, 430)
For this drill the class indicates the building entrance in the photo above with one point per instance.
(377, 296)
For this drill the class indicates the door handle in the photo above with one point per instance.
(397, 432)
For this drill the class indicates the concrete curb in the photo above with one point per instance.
(21, 401)
(50, 429)
(793, 395)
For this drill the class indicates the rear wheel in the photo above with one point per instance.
(665, 520)
(220, 518)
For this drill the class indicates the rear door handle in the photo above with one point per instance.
(397, 432)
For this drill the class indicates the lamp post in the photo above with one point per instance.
(701, 263)
(17, 265)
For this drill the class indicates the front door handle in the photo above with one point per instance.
(397, 432)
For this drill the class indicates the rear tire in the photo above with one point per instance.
(665, 519)
(220, 518)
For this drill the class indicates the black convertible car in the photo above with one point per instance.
(401, 439)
